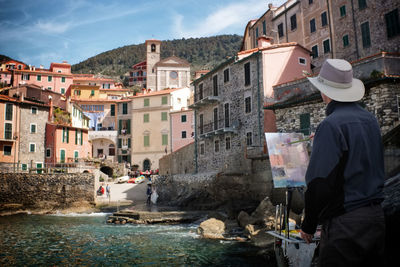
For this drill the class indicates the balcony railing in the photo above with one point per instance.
(216, 128)
(205, 97)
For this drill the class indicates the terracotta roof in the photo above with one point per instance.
(140, 63)
(162, 92)
(25, 101)
(179, 62)
(60, 65)
(93, 79)
(274, 46)
(44, 71)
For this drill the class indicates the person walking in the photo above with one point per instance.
(108, 191)
(345, 174)
(149, 192)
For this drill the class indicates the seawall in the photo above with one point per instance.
(42, 193)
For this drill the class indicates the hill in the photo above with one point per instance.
(201, 53)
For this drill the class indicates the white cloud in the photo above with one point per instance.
(52, 27)
(233, 15)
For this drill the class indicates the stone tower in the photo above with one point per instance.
(152, 57)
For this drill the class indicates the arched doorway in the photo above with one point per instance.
(146, 165)
(107, 170)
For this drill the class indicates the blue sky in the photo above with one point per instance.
(44, 31)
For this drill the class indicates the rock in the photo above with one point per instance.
(212, 228)
(244, 219)
(123, 222)
(260, 238)
(110, 221)
(264, 210)
(251, 230)
(117, 222)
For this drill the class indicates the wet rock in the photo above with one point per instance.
(212, 228)
(244, 219)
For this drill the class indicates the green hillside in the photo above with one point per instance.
(204, 52)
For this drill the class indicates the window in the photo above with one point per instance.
(327, 47)
(111, 150)
(227, 143)
(146, 117)
(32, 147)
(216, 146)
(8, 131)
(124, 108)
(247, 74)
(343, 11)
(247, 104)
(49, 78)
(92, 93)
(366, 38)
(9, 112)
(63, 79)
(200, 91)
(7, 150)
(183, 134)
(165, 139)
(215, 85)
(164, 100)
(106, 86)
(201, 126)
(215, 118)
(249, 138)
(39, 77)
(305, 123)
(264, 27)
(48, 153)
(293, 22)
(345, 40)
(112, 110)
(314, 52)
(280, 30)
(302, 61)
(310, 2)
(49, 88)
(33, 127)
(78, 137)
(392, 23)
(362, 4)
(146, 140)
(146, 102)
(226, 113)
(153, 48)
(324, 19)
(164, 116)
(226, 75)
(24, 166)
(77, 92)
(312, 25)
(202, 149)
(173, 75)
(65, 135)
(62, 91)
(25, 77)
(183, 118)
(256, 33)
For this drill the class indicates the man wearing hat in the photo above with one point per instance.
(345, 175)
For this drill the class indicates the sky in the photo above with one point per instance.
(39, 32)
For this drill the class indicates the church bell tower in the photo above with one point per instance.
(153, 50)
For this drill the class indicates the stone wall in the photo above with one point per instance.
(181, 161)
(45, 192)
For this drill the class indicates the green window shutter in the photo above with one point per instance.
(128, 124)
(165, 139)
(146, 102)
(49, 78)
(112, 110)
(119, 159)
(146, 117)
(62, 156)
(63, 79)
(9, 112)
(24, 167)
(146, 140)
(63, 134)
(164, 100)
(81, 137)
(129, 158)
(119, 126)
(76, 137)
(119, 143)
(305, 123)
(124, 108)
(67, 135)
(164, 116)
(129, 143)
(39, 77)
(366, 38)
(92, 92)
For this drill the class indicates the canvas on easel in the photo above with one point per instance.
(289, 159)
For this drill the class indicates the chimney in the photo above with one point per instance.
(41, 67)
(50, 119)
(264, 41)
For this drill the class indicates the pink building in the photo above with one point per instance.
(8, 129)
(58, 78)
(5, 77)
(182, 128)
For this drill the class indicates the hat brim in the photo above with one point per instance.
(351, 94)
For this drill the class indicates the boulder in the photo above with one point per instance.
(264, 210)
(258, 236)
(212, 228)
(244, 219)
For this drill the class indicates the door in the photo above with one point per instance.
(146, 165)
(76, 156)
(62, 156)
(39, 166)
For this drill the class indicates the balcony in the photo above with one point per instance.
(216, 128)
(205, 97)
(103, 134)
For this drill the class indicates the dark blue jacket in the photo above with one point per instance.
(346, 168)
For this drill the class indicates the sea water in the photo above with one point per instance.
(75, 239)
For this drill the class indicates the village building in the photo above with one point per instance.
(230, 121)
(57, 78)
(124, 151)
(330, 29)
(5, 78)
(157, 74)
(182, 128)
(12, 65)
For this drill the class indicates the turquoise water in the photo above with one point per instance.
(34, 240)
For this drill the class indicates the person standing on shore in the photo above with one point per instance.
(108, 191)
(149, 192)
(345, 175)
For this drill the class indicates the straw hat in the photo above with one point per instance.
(336, 81)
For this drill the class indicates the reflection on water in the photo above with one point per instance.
(88, 240)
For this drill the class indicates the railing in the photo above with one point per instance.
(206, 94)
(32, 167)
(215, 127)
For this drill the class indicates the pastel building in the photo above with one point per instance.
(9, 128)
(137, 75)
(57, 78)
(182, 128)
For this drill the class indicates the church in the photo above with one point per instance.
(156, 74)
